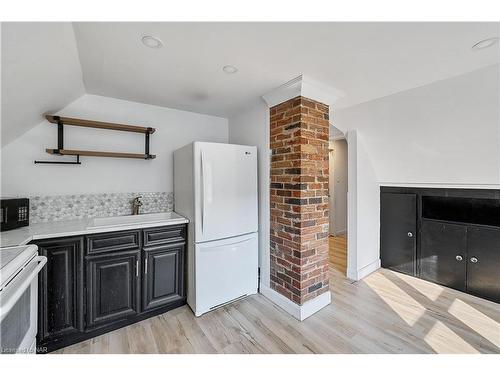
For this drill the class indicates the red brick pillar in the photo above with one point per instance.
(299, 213)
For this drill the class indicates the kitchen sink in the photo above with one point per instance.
(115, 221)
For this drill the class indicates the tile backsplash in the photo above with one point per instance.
(79, 206)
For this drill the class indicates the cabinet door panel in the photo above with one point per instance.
(60, 307)
(483, 275)
(398, 224)
(112, 288)
(163, 280)
(441, 244)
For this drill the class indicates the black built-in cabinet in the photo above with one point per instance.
(483, 268)
(443, 253)
(398, 240)
(447, 236)
(100, 282)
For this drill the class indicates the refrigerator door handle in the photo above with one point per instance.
(208, 182)
(202, 193)
(231, 246)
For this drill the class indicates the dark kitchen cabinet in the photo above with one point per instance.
(398, 227)
(162, 281)
(456, 236)
(113, 288)
(60, 300)
(97, 283)
(443, 253)
(483, 262)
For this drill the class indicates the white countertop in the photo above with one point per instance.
(22, 236)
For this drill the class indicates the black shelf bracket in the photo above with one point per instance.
(60, 146)
(77, 161)
(60, 133)
(146, 145)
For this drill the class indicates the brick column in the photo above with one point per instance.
(299, 213)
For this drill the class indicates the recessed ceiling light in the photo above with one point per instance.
(229, 69)
(151, 41)
(485, 43)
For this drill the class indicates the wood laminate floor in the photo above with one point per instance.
(386, 312)
(338, 253)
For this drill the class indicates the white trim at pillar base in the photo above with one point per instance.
(299, 312)
(364, 271)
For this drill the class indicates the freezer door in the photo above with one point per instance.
(225, 270)
(225, 190)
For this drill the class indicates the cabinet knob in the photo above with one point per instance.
(459, 258)
(410, 234)
(473, 260)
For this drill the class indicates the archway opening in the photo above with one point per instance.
(338, 175)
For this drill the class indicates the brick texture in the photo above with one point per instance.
(299, 199)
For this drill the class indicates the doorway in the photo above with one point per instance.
(338, 202)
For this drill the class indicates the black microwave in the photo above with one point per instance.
(15, 213)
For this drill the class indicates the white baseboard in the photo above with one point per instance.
(368, 269)
(357, 275)
(299, 312)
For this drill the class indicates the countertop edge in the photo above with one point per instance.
(105, 229)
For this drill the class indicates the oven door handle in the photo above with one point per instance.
(15, 289)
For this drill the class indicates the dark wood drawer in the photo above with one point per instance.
(114, 241)
(164, 235)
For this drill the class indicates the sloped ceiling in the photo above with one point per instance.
(42, 65)
(40, 73)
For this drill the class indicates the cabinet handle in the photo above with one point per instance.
(136, 268)
(146, 266)
(459, 258)
(473, 260)
(410, 234)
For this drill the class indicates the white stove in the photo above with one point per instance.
(19, 268)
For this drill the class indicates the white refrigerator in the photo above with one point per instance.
(215, 187)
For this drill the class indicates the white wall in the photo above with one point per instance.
(443, 134)
(251, 127)
(338, 187)
(174, 128)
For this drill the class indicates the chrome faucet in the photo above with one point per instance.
(136, 204)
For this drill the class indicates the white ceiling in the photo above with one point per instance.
(364, 60)
(43, 63)
(40, 73)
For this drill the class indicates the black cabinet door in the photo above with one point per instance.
(163, 275)
(483, 262)
(398, 224)
(60, 306)
(443, 255)
(112, 288)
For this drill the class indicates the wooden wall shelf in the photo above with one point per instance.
(99, 124)
(60, 150)
(99, 153)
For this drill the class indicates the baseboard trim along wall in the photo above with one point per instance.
(340, 232)
(363, 271)
(297, 311)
